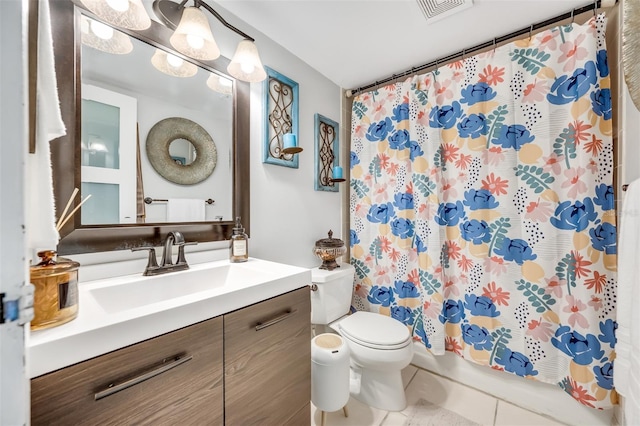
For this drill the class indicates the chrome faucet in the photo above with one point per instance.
(166, 264)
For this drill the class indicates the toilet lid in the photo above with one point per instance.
(375, 330)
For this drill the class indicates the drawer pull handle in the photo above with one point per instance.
(275, 320)
(141, 378)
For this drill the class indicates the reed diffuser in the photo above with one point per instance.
(56, 281)
(56, 290)
(64, 218)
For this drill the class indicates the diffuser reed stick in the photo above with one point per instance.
(70, 215)
(64, 212)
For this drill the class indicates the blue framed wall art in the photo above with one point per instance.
(280, 106)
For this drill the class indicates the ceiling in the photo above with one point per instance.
(356, 42)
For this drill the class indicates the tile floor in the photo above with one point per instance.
(420, 384)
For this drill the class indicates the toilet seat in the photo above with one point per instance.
(375, 331)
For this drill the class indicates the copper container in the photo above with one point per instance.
(328, 250)
(56, 294)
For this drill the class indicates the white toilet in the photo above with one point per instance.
(380, 346)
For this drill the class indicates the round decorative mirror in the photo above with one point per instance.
(631, 49)
(181, 151)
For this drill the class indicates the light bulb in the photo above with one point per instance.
(174, 61)
(225, 82)
(247, 67)
(195, 41)
(119, 5)
(101, 30)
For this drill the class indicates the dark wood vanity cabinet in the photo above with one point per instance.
(185, 387)
(267, 354)
(250, 366)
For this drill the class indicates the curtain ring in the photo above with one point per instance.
(494, 45)
(436, 65)
(595, 8)
(530, 32)
(463, 52)
(573, 15)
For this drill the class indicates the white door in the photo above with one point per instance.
(14, 386)
(109, 143)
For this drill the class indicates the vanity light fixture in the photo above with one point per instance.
(220, 84)
(193, 37)
(129, 14)
(246, 65)
(102, 37)
(172, 65)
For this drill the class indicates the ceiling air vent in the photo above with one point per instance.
(434, 10)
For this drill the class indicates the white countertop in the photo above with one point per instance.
(99, 329)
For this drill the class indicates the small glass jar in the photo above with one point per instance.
(328, 250)
(56, 290)
(238, 246)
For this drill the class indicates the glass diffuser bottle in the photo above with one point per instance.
(56, 290)
(238, 246)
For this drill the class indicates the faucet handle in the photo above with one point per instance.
(152, 261)
(181, 258)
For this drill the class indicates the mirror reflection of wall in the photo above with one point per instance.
(173, 91)
(182, 152)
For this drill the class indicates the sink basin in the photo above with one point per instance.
(138, 291)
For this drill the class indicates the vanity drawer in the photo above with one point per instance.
(268, 360)
(187, 388)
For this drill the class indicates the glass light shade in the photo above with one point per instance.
(246, 64)
(129, 14)
(118, 44)
(220, 84)
(161, 60)
(193, 36)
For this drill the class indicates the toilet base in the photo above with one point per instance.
(380, 389)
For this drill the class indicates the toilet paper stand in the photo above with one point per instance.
(329, 374)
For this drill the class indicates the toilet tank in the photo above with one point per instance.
(332, 299)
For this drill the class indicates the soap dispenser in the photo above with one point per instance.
(238, 248)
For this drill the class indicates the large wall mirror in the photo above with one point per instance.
(145, 128)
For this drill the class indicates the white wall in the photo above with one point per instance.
(287, 215)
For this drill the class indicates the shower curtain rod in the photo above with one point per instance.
(442, 61)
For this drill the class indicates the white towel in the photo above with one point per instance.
(626, 372)
(185, 210)
(41, 230)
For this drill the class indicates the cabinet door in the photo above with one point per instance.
(184, 383)
(268, 360)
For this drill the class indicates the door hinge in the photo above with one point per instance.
(20, 309)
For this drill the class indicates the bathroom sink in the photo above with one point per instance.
(116, 312)
(137, 291)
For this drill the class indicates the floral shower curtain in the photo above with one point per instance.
(482, 209)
